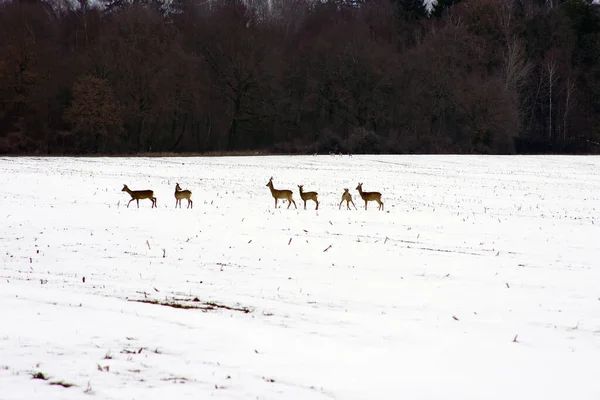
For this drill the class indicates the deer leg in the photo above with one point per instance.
(130, 202)
(317, 207)
(366, 201)
(353, 205)
(340, 207)
(275, 202)
(190, 203)
(294, 204)
(304, 204)
(138, 202)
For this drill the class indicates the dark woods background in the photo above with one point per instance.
(299, 76)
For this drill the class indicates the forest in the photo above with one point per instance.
(110, 77)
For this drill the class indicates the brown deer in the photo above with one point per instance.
(348, 198)
(369, 196)
(308, 196)
(183, 194)
(281, 194)
(138, 195)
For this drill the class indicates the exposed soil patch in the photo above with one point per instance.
(194, 303)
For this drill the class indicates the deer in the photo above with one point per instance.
(281, 194)
(183, 194)
(308, 196)
(138, 195)
(369, 196)
(348, 198)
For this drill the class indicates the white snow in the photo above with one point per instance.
(421, 301)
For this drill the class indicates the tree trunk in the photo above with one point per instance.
(570, 87)
(208, 132)
(551, 68)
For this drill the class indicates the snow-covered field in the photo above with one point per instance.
(479, 280)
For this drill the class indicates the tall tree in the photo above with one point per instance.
(94, 113)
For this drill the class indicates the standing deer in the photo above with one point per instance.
(138, 195)
(281, 194)
(369, 196)
(183, 194)
(308, 196)
(348, 198)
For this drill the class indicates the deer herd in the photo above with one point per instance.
(278, 194)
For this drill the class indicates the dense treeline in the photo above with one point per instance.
(490, 76)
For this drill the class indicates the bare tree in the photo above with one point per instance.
(569, 89)
(551, 71)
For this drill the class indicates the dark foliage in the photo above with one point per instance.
(297, 76)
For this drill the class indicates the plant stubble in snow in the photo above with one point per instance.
(479, 280)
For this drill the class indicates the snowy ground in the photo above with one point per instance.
(479, 280)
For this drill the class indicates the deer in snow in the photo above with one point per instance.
(183, 194)
(281, 194)
(346, 196)
(308, 196)
(370, 196)
(138, 195)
